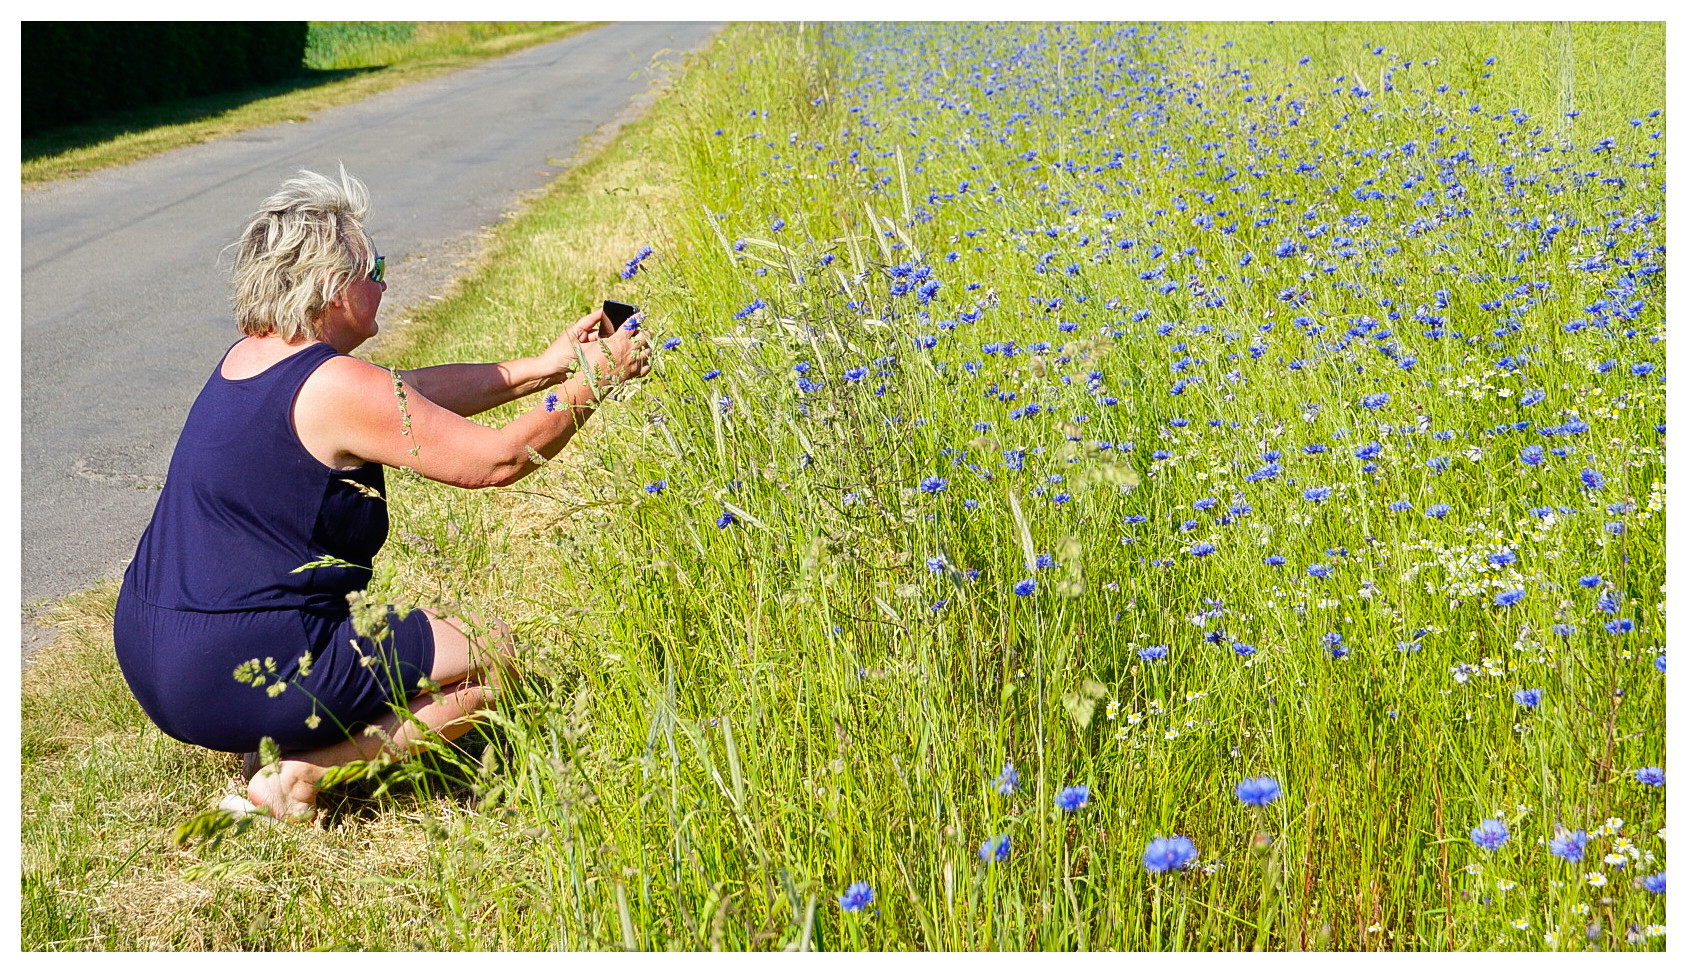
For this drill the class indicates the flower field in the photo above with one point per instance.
(1125, 487)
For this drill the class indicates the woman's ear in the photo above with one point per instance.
(339, 298)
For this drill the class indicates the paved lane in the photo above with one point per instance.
(125, 306)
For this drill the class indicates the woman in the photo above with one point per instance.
(280, 465)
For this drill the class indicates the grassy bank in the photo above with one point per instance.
(344, 62)
(1064, 426)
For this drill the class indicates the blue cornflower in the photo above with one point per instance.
(1335, 645)
(1661, 664)
(1399, 506)
(1438, 511)
(1007, 783)
(1202, 549)
(855, 897)
(935, 565)
(933, 484)
(671, 343)
(752, 307)
(727, 518)
(1243, 649)
(1044, 561)
(1026, 587)
(1592, 479)
(1317, 494)
(1533, 397)
(1528, 698)
(1656, 883)
(1153, 653)
(1205, 503)
(855, 374)
(996, 850)
(1571, 846)
(777, 225)
(1169, 854)
(1533, 455)
(1507, 598)
(1072, 798)
(1274, 560)
(1318, 571)
(1375, 401)
(1490, 834)
(711, 374)
(1256, 791)
(655, 487)
(1590, 580)
(1649, 775)
(928, 290)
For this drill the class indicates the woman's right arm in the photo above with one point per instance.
(350, 410)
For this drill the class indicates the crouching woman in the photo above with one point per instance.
(281, 464)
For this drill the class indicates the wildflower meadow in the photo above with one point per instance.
(1103, 486)
(1126, 486)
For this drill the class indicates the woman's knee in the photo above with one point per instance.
(470, 646)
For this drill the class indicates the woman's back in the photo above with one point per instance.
(244, 505)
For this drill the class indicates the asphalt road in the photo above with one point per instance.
(125, 287)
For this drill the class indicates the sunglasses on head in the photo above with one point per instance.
(378, 274)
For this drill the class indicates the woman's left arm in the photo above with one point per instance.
(469, 389)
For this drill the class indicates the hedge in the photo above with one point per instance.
(74, 71)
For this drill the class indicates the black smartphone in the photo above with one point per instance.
(618, 312)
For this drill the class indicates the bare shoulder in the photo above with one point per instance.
(342, 381)
(345, 409)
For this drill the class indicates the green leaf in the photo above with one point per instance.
(328, 560)
(269, 752)
(1080, 702)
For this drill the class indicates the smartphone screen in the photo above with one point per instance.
(618, 312)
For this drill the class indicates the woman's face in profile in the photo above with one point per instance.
(350, 317)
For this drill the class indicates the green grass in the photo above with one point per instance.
(729, 725)
(344, 62)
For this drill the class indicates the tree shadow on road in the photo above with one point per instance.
(183, 112)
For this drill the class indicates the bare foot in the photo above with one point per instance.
(285, 790)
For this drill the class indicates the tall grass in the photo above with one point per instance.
(779, 602)
(802, 660)
(344, 45)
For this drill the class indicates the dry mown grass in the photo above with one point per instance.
(103, 789)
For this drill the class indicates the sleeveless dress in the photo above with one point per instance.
(212, 590)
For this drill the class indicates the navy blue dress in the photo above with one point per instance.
(212, 589)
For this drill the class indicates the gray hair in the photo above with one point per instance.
(303, 247)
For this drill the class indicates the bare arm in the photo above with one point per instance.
(469, 389)
(347, 411)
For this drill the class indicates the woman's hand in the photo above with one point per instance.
(562, 357)
(614, 360)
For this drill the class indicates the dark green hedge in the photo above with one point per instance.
(73, 71)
